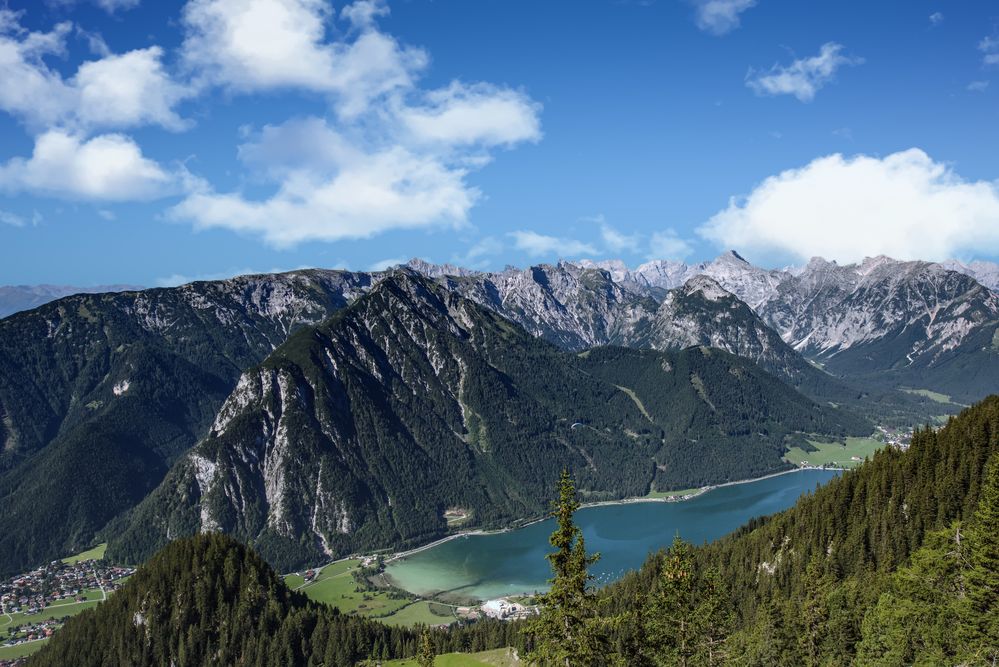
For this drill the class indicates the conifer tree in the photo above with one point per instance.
(670, 627)
(427, 652)
(813, 613)
(565, 632)
(982, 609)
(714, 619)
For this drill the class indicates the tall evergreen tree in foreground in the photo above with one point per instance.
(982, 609)
(687, 617)
(427, 652)
(565, 633)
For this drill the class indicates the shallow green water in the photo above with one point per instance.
(490, 566)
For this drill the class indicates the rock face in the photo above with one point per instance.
(360, 432)
(100, 393)
(122, 384)
(987, 273)
(893, 323)
(578, 307)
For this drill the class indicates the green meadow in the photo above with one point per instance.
(501, 657)
(836, 454)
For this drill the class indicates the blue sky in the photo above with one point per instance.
(154, 142)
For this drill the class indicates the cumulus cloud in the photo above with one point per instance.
(124, 90)
(720, 16)
(978, 86)
(803, 78)
(539, 245)
(477, 256)
(399, 157)
(107, 167)
(345, 192)
(936, 18)
(904, 205)
(128, 90)
(402, 164)
(478, 114)
(668, 245)
(252, 45)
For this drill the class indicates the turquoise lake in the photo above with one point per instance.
(511, 563)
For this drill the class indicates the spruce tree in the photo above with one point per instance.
(565, 632)
(713, 616)
(813, 613)
(982, 609)
(669, 624)
(427, 652)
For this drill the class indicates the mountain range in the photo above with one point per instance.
(164, 397)
(364, 430)
(15, 298)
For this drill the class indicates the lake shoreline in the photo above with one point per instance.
(600, 503)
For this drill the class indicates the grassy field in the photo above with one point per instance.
(96, 553)
(418, 613)
(335, 586)
(21, 650)
(56, 610)
(834, 453)
(501, 657)
(932, 395)
(671, 494)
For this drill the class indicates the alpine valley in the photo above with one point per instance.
(295, 409)
(317, 414)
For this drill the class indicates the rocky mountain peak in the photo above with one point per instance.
(432, 270)
(706, 287)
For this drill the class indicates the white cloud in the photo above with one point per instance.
(904, 205)
(363, 13)
(114, 5)
(106, 167)
(478, 114)
(345, 193)
(720, 16)
(990, 47)
(252, 45)
(385, 264)
(95, 42)
(13, 219)
(936, 18)
(978, 86)
(402, 164)
(668, 245)
(117, 91)
(538, 245)
(30, 89)
(128, 90)
(802, 78)
(476, 257)
(614, 240)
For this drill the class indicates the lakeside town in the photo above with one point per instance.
(35, 604)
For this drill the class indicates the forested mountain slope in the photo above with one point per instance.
(208, 600)
(360, 432)
(100, 393)
(577, 306)
(809, 585)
